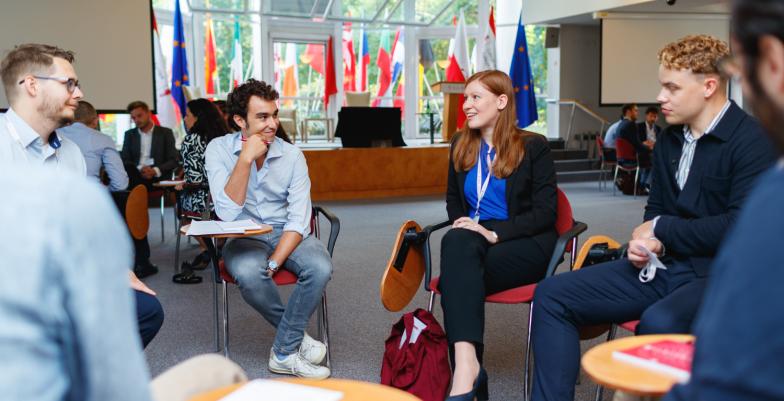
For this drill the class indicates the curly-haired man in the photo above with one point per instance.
(704, 165)
(254, 175)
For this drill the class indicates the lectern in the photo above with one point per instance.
(453, 92)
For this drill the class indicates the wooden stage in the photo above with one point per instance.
(372, 173)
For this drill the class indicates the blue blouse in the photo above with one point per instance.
(493, 205)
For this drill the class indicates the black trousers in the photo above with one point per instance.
(135, 178)
(471, 268)
(141, 247)
(149, 315)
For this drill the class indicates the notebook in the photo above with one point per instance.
(666, 356)
(275, 390)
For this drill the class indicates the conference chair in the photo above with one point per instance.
(180, 215)
(282, 277)
(136, 216)
(358, 99)
(568, 231)
(627, 161)
(605, 164)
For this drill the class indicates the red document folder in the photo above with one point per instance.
(669, 357)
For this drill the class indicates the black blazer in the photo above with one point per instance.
(726, 164)
(628, 131)
(642, 131)
(162, 150)
(531, 196)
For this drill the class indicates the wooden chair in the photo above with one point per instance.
(136, 216)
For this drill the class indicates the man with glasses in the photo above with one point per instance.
(43, 91)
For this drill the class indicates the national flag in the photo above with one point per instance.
(210, 65)
(167, 112)
(426, 55)
(457, 71)
(290, 80)
(314, 56)
(349, 61)
(400, 96)
(398, 56)
(487, 60)
(236, 57)
(179, 61)
(278, 64)
(330, 86)
(384, 72)
(364, 62)
(522, 80)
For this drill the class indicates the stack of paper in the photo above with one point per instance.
(274, 390)
(171, 182)
(211, 227)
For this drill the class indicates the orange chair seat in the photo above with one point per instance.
(282, 277)
(517, 295)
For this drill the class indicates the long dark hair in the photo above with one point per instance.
(209, 123)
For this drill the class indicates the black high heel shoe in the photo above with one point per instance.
(479, 392)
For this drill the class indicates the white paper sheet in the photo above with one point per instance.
(171, 182)
(241, 225)
(274, 390)
(208, 227)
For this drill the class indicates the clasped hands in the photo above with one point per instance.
(469, 224)
(147, 172)
(643, 236)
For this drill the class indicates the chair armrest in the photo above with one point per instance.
(334, 226)
(424, 236)
(560, 246)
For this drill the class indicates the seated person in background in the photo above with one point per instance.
(203, 123)
(148, 150)
(99, 152)
(254, 175)
(704, 166)
(628, 130)
(97, 148)
(648, 130)
(739, 346)
(609, 140)
(502, 200)
(67, 329)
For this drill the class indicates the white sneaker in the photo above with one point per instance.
(312, 350)
(295, 364)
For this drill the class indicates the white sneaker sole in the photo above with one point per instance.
(286, 371)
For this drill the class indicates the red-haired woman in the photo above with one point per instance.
(501, 197)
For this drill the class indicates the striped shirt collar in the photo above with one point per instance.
(687, 135)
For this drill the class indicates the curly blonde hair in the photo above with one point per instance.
(699, 53)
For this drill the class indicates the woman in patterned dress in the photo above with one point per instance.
(203, 122)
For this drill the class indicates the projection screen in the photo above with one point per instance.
(112, 40)
(630, 44)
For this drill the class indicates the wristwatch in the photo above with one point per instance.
(272, 267)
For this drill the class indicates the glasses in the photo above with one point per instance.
(70, 83)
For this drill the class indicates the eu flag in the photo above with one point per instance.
(522, 81)
(179, 61)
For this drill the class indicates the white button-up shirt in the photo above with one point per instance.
(20, 143)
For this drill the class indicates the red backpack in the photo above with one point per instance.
(420, 367)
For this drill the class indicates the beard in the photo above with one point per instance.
(771, 118)
(57, 111)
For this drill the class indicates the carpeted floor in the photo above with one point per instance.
(358, 322)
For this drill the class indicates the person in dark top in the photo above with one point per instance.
(648, 130)
(501, 198)
(738, 353)
(628, 130)
(704, 166)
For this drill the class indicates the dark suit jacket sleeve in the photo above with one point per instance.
(170, 154)
(629, 132)
(125, 153)
(655, 205)
(702, 236)
(544, 197)
(454, 202)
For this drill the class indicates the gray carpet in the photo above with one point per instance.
(359, 324)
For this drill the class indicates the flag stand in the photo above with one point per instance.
(452, 91)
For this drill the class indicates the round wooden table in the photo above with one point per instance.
(352, 390)
(599, 364)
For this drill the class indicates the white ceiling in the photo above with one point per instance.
(653, 6)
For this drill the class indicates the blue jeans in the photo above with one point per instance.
(246, 261)
(606, 293)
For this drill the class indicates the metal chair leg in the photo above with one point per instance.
(216, 314)
(162, 212)
(177, 223)
(225, 319)
(636, 175)
(430, 302)
(527, 368)
(324, 328)
(615, 178)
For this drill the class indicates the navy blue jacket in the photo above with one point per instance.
(739, 350)
(726, 164)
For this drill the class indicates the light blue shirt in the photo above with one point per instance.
(612, 134)
(20, 143)
(99, 151)
(68, 326)
(278, 194)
